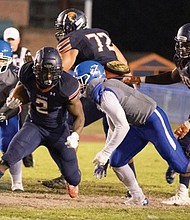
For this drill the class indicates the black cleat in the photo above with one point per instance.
(28, 161)
(170, 175)
(57, 183)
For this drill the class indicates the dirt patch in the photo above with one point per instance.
(39, 200)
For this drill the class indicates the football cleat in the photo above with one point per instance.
(72, 190)
(28, 161)
(170, 175)
(136, 202)
(128, 194)
(180, 198)
(17, 187)
(57, 183)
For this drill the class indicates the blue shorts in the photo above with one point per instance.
(158, 131)
(7, 131)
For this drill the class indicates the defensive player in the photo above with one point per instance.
(52, 93)
(9, 119)
(124, 105)
(20, 54)
(180, 73)
(77, 43)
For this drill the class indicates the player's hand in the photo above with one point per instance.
(181, 131)
(28, 58)
(72, 140)
(2, 117)
(13, 103)
(132, 80)
(101, 158)
(101, 170)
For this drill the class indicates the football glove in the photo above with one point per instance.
(182, 130)
(101, 170)
(13, 103)
(72, 140)
(101, 158)
(132, 80)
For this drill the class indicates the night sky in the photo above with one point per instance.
(142, 25)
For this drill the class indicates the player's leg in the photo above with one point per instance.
(16, 177)
(182, 195)
(131, 145)
(91, 114)
(27, 139)
(28, 161)
(8, 130)
(157, 130)
(131, 162)
(66, 159)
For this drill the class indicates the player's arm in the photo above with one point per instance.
(119, 55)
(118, 126)
(76, 110)
(18, 97)
(164, 78)
(68, 58)
(6, 112)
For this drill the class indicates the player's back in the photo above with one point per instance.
(92, 44)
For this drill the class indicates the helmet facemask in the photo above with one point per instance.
(5, 61)
(182, 47)
(46, 75)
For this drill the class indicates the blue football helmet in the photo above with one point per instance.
(5, 55)
(182, 46)
(47, 67)
(70, 20)
(88, 70)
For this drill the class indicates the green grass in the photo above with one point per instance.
(150, 173)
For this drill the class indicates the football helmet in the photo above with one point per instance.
(5, 55)
(47, 67)
(69, 20)
(88, 70)
(182, 46)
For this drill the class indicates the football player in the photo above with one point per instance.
(180, 73)
(9, 119)
(126, 106)
(78, 43)
(19, 56)
(52, 93)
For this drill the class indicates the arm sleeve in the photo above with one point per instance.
(164, 78)
(117, 121)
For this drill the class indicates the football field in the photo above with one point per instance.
(98, 199)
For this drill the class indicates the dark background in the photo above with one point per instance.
(142, 25)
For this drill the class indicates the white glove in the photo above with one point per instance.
(101, 158)
(72, 140)
(13, 103)
(2, 117)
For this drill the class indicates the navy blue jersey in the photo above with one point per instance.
(48, 109)
(92, 44)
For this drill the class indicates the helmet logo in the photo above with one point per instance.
(71, 16)
(94, 70)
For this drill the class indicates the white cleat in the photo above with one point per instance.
(17, 187)
(180, 198)
(136, 202)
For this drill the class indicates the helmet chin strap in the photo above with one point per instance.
(44, 89)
